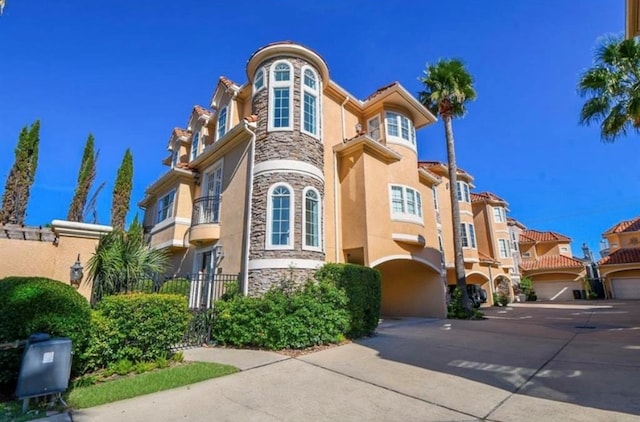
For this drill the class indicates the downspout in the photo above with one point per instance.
(248, 210)
(335, 185)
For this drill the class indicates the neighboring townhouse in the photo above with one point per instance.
(288, 171)
(515, 228)
(484, 230)
(547, 260)
(620, 266)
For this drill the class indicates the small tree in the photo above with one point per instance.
(122, 191)
(21, 176)
(86, 176)
(121, 260)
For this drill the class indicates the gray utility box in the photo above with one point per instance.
(46, 366)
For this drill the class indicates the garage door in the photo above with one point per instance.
(626, 288)
(556, 290)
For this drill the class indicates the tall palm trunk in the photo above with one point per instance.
(461, 280)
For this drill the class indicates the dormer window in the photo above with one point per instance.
(176, 156)
(499, 216)
(400, 129)
(463, 192)
(222, 123)
(280, 96)
(195, 144)
(309, 91)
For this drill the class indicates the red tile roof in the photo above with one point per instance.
(622, 256)
(486, 196)
(178, 132)
(381, 90)
(227, 82)
(201, 111)
(251, 118)
(632, 225)
(431, 164)
(551, 262)
(533, 236)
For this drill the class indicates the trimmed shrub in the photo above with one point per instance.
(177, 286)
(299, 317)
(363, 288)
(140, 327)
(456, 311)
(34, 304)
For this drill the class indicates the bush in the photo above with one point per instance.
(136, 327)
(363, 288)
(177, 286)
(456, 311)
(34, 304)
(283, 318)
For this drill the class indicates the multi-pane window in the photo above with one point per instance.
(195, 144)
(176, 155)
(463, 192)
(222, 123)
(400, 127)
(503, 245)
(309, 101)
(280, 85)
(406, 203)
(435, 198)
(468, 234)
(373, 126)
(164, 209)
(280, 218)
(499, 215)
(258, 81)
(312, 218)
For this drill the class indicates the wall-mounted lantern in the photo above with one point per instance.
(76, 273)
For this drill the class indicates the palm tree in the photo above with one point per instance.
(121, 261)
(613, 88)
(447, 88)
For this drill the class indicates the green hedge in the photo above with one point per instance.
(283, 317)
(137, 327)
(363, 288)
(177, 286)
(33, 304)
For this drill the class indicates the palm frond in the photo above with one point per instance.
(447, 83)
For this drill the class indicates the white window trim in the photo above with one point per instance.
(170, 210)
(406, 216)
(195, 151)
(264, 81)
(268, 244)
(399, 140)
(372, 118)
(304, 220)
(316, 93)
(273, 84)
(501, 217)
(465, 195)
(227, 112)
(471, 240)
(507, 248)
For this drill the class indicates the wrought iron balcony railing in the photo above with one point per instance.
(206, 210)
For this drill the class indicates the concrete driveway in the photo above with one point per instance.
(563, 362)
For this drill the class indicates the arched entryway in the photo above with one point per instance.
(411, 288)
(502, 287)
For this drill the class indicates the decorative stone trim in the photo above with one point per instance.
(76, 229)
(291, 166)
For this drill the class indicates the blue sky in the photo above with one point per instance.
(130, 71)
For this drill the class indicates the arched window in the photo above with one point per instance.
(280, 96)
(280, 217)
(195, 144)
(258, 81)
(311, 219)
(309, 89)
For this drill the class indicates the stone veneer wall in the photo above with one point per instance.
(283, 145)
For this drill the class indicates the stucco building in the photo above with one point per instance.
(620, 265)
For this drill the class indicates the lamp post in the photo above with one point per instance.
(76, 273)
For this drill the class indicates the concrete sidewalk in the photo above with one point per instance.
(346, 383)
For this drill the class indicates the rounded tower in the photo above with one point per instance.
(287, 212)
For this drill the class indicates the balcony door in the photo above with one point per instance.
(202, 288)
(211, 192)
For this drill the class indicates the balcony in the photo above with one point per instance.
(205, 220)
